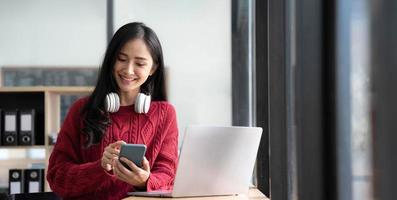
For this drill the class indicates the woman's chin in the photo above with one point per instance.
(128, 89)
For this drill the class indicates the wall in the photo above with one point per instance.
(52, 32)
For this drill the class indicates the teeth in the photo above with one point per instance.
(126, 78)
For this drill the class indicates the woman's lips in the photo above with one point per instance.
(127, 80)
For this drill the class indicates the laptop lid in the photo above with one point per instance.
(216, 160)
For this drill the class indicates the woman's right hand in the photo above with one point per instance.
(111, 153)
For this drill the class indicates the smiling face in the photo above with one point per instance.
(132, 67)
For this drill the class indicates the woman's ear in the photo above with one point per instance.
(153, 70)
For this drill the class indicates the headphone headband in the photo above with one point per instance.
(142, 103)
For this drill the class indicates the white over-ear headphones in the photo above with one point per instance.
(142, 103)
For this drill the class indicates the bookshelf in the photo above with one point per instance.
(46, 102)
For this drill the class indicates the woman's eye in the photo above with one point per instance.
(140, 64)
(122, 59)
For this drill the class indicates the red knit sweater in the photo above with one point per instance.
(75, 171)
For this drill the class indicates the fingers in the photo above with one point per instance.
(109, 155)
(130, 164)
(106, 163)
(117, 171)
(138, 179)
(117, 144)
(145, 164)
(108, 167)
(111, 152)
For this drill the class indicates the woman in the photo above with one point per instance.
(84, 163)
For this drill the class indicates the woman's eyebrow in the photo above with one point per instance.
(140, 58)
(123, 54)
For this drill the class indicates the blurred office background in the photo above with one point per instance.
(195, 36)
(318, 76)
(62, 43)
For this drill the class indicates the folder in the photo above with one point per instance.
(33, 180)
(26, 127)
(10, 127)
(1, 126)
(15, 181)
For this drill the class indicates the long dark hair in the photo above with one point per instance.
(96, 118)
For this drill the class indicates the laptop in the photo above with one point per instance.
(214, 161)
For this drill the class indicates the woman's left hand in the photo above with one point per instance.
(136, 176)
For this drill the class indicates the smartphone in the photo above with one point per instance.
(133, 152)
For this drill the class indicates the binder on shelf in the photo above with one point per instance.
(15, 181)
(33, 180)
(26, 127)
(1, 126)
(10, 127)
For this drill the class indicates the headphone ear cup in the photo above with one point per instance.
(117, 102)
(140, 103)
(137, 102)
(112, 102)
(146, 105)
(107, 103)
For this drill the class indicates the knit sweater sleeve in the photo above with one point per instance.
(164, 168)
(67, 174)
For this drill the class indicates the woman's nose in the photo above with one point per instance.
(130, 68)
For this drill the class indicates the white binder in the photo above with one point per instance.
(15, 181)
(10, 127)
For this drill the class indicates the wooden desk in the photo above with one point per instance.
(253, 194)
